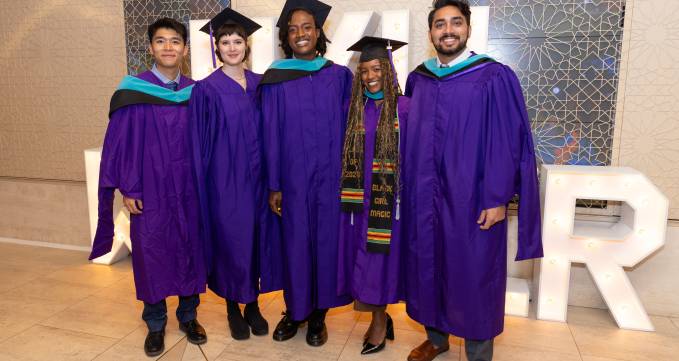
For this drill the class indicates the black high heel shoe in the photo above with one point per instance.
(369, 348)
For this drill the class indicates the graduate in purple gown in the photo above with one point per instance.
(469, 151)
(146, 157)
(226, 136)
(304, 109)
(369, 248)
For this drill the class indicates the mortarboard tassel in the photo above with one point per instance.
(212, 48)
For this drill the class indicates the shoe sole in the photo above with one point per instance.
(240, 338)
(260, 333)
(316, 344)
(154, 354)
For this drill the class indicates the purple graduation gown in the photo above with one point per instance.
(371, 278)
(146, 156)
(226, 137)
(304, 124)
(469, 148)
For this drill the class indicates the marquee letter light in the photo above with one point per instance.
(603, 248)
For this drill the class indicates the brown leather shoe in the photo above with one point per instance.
(426, 352)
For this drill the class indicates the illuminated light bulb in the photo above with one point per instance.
(555, 221)
(590, 244)
(628, 185)
(557, 181)
(120, 237)
(623, 308)
(644, 202)
(592, 183)
(609, 276)
(550, 300)
(552, 261)
(511, 296)
(642, 231)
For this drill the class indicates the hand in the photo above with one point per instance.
(133, 205)
(275, 200)
(491, 216)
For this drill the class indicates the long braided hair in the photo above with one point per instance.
(386, 139)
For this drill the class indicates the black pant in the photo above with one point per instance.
(476, 350)
(155, 314)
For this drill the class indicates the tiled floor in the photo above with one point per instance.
(54, 305)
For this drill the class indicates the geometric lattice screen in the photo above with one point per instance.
(140, 13)
(566, 54)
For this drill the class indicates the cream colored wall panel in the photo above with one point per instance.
(59, 64)
(649, 131)
(54, 212)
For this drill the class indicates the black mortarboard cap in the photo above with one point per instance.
(319, 10)
(375, 48)
(230, 16)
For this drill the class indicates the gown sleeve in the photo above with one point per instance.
(509, 161)
(410, 85)
(120, 168)
(272, 111)
(202, 127)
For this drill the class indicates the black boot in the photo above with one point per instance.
(195, 333)
(154, 344)
(255, 319)
(317, 333)
(239, 328)
(286, 328)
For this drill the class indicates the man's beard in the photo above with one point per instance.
(462, 44)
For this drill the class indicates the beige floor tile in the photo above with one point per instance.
(538, 335)
(89, 275)
(48, 343)
(194, 353)
(98, 317)
(13, 276)
(602, 318)
(131, 347)
(122, 291)
(55, 290)
(213, 319)
(20, 313)
(176, 353)
(404, 342)
(515, 353)
(625, 345)
(594, 358)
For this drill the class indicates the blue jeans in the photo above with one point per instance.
(476, 350)
(155, 314)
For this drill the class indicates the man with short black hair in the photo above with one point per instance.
(146, 156)
(304, 109)
(469, 151)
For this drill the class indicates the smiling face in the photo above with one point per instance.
(449, 31)
(168, 48)
(232, 49)
(371, 75)
(303, 35)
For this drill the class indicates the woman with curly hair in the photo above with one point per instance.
(369, 233)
